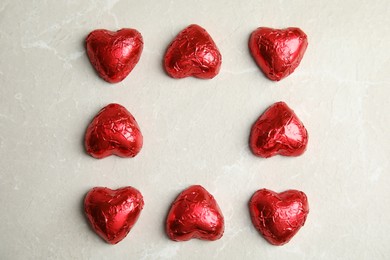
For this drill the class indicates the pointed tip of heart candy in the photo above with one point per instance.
(192, 53)
(278, 52)
(113, 131)
(195, 214)
(114, 54)
(278, 131)
(278, 216)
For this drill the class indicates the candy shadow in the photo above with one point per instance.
(81, 206)
(82, 142)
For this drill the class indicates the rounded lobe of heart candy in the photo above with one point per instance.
(278, 52)
(115, 131)
(193, 53)
(278, 131)
(195, 214)
(278, 216)
(112, 213)
(114, 54)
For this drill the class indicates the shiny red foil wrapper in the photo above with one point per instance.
(278, 216)
(193, 53)
(113, 131)
(278, 52)
(112, 213)
(278, 131)
(114, 54)
(195, 214)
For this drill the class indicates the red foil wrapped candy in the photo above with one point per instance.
(278, 131)
(193, 53)
(114, 54)
(112, 213)
(278, 52)
(278, 216)
(113, 131)
(195, 214)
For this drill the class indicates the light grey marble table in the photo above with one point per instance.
(195, 131)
